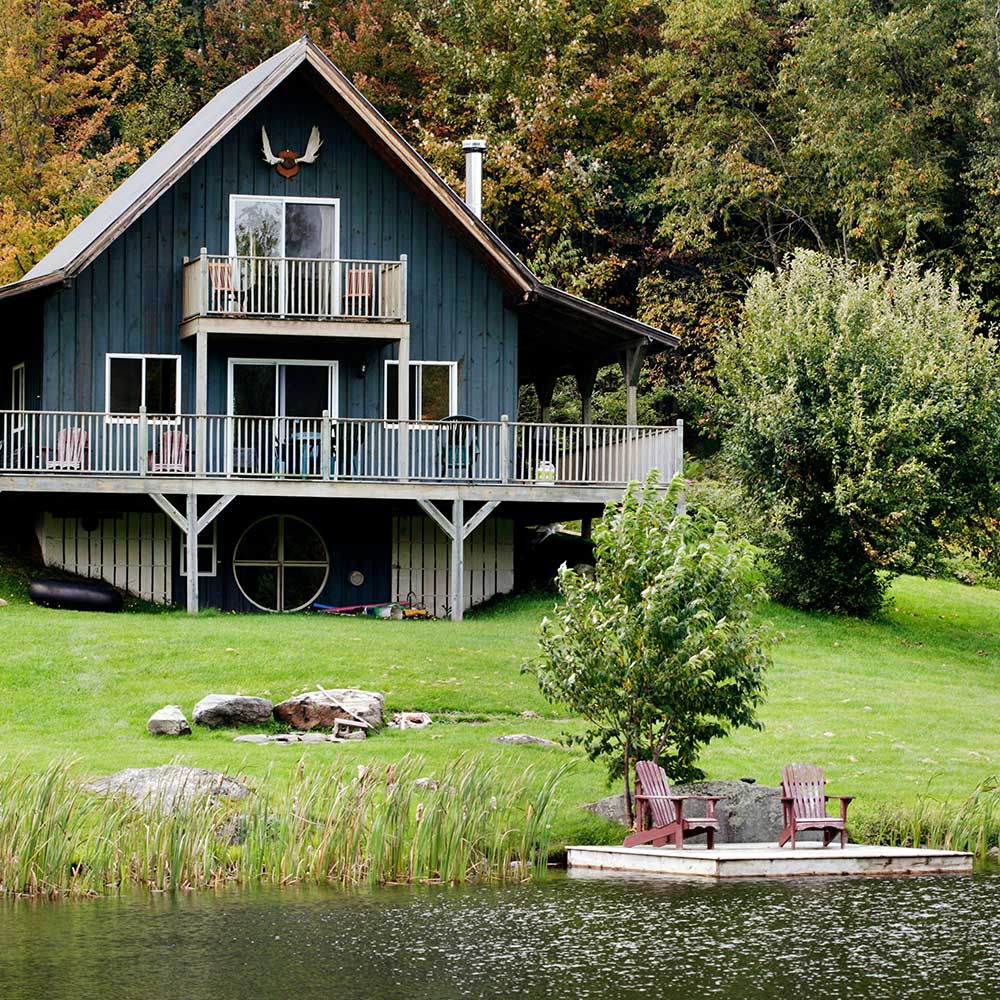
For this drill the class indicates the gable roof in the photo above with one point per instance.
(183, 149)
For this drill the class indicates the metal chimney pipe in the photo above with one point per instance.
(474, 149)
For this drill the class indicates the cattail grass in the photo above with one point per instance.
(332, 824)
(971, 825)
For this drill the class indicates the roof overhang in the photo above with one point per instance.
(568, 334)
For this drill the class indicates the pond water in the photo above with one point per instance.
(570, 937)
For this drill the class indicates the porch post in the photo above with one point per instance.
(544, 387)
(201, 400)
(403, 408)
(586, 376)
(631, 364)
(191, 540)
(458, 561)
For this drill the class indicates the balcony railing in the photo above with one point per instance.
(295, 288)
(326, 448)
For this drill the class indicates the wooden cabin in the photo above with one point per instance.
(286, 354)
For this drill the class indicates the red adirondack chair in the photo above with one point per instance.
(359, 294)
(71, 448)
(225, 294)
(660, 816)
(804, 801)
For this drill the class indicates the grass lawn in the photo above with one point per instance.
(890, 708)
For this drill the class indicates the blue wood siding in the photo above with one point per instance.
(129, 299)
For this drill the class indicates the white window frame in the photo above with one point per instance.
(212, 545)
(284, 200)
(334, 375)
(120, 418)
(18, 391)
(289, 200)
(415, 399)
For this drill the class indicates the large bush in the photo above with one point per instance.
(862, 414)
(656, 649)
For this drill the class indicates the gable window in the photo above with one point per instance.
(433, 390)
(150, 380)
(18, 396)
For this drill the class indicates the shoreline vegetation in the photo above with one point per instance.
(900, 711)
(375, 826)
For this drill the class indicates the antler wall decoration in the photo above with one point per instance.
(287, 161)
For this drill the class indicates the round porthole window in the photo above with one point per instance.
(357, 578)
(281, 563)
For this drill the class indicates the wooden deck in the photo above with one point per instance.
(767, 861)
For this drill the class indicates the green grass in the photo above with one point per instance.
(890, 708)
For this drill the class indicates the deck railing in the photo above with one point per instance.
(294, 288)
(327, 448)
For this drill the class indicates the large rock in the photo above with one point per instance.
(750, 813)
(526, 738)
(171, 786)
(232, 710)
(168, 721)
(321, 709)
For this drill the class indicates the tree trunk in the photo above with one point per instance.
(629, 816)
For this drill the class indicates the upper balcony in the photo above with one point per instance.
(294, 295)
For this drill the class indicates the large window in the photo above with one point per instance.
(281, 563)
(284, 227)
(150, 380)
(433, 390)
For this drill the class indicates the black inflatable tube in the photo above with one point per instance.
(75, 596)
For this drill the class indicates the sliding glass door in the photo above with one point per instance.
(277, 408)
(286, 252)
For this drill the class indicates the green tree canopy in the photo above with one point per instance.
(657, 650)
(862, 413)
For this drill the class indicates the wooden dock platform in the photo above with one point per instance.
(767, 861)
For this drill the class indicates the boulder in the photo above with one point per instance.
(321, 709)
(252, 738)
(410, 720)
(232, 710)
(750, 813)
(169, 721)
(171, 786)
(516, 738)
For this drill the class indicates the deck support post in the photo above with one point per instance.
(458, 529)
(201, 401)
(191, 539)
(191, 525)
(458, 560)
(403, 409)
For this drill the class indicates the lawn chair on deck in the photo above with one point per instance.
(803, 803)
(359, 293)
(71, 446)
(172, 453)
(225, 295)
(660, 816)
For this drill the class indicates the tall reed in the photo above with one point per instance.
(330, 824)
(971, 825)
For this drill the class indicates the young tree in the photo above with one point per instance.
(657, 649)
(862, 413)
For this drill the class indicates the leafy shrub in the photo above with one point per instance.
(862, 414)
